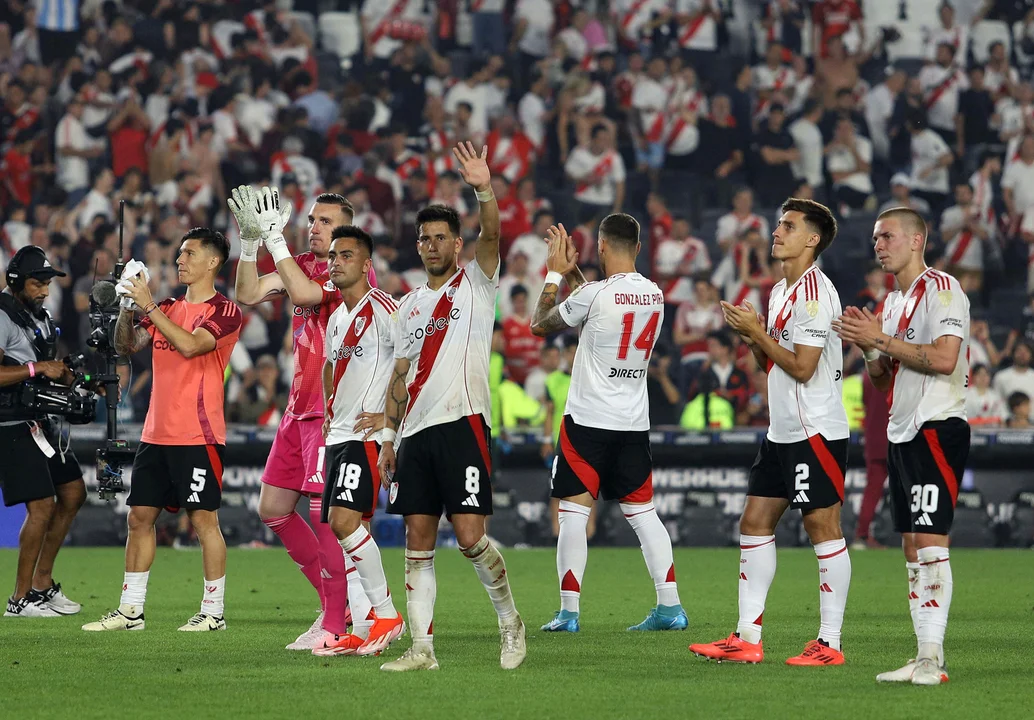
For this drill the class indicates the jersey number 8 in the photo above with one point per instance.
(644, 341)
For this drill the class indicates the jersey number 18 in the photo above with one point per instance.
(643, 341)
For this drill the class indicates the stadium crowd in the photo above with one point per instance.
(697, 116)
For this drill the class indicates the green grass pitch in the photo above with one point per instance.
(49, 668)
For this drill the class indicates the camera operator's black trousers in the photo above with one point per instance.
(26, 473)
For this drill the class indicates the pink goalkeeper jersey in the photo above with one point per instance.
(310, 340)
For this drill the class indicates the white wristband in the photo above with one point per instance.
(279, 250)
(249, 249)
(484, 196)
(387, 436)
(871, 355)
(554, 278)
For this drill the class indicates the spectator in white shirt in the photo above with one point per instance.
(534, 27)
(964, 230)
(575, 44)
(489, 30)
(808, 140)
(532, 111)
(949, 33)
(983, 403)
(879, 107)
(531, 244)
(98, 200)
(849, 161)
(1018, 189)
(598, 173)
(472, 92)
(931, 158)
(680, 258)
(517, 273)
(74, 150)
(1019, 377)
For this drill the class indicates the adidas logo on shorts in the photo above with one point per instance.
(194, 498)
(346, 496)
(924, 520)
(472, 501)
(801, 497)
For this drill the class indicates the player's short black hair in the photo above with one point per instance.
(351, 231)
(212, 240)
(818, 217)
(329, 198)
(622, 229)
(439, 213)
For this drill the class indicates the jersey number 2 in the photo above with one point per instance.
(644, 341)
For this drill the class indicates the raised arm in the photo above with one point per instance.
(560, 262)
(129, 337)
(250, 289)
(474, 171)
(272, 219)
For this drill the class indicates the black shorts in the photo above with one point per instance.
(444, 467)
(351, 477)
(616, 463)
(26, 474)
(177, 476)
(809, 473)
(925, 473)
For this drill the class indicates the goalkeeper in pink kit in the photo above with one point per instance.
(296, 459)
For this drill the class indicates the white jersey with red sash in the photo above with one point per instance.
(378, 16)
(631, 16)
(701, 32)
(803, 315)
(941, 88)
(964, 247)
(359, 350)
(599, 175)
(934, 306)
(447, 336)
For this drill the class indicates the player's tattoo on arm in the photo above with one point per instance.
(925, 358)
(129, 337)
(398, 398)
(575, 279)
(547, 318)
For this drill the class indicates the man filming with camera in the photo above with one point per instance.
(34, 471)
(179, 461)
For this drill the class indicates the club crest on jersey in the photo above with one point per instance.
(812, 306)
(945, 297)
(360, 323)
(329, 286)
(451, 293)
(393, 492)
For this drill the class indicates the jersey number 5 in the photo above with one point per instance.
(643, 341)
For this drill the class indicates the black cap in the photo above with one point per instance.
(32, 262)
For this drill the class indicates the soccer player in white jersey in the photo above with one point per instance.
(443, 336)
(802, 459)
(359, 362)
(919, 352)
(604, 444)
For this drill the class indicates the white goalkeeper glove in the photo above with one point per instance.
(242, 203)
(273, 217)
(122, 288)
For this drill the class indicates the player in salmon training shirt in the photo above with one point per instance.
(604, 442)
(443, 336)
(919, 353)
(803, 457)
(296, 459)
(179, 461)
(358, 367)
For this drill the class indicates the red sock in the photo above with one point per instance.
(332, 566)
(300, 542)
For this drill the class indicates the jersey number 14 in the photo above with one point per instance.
(644, 340)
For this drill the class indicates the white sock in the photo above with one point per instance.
(358, 602)
(913, 596)
(420, 592)
(656, 545)
(572, 550)
(834, 583)
(212, 600)
(935, 584)
(362, 550)
(134, 592)
(757, 569)
(491, 571)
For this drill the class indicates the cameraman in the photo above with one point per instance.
(32, 471)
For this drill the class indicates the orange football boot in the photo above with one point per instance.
(817, 653)
(731, 649)
(383, 633)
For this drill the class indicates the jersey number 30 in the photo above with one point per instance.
(644, 340)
